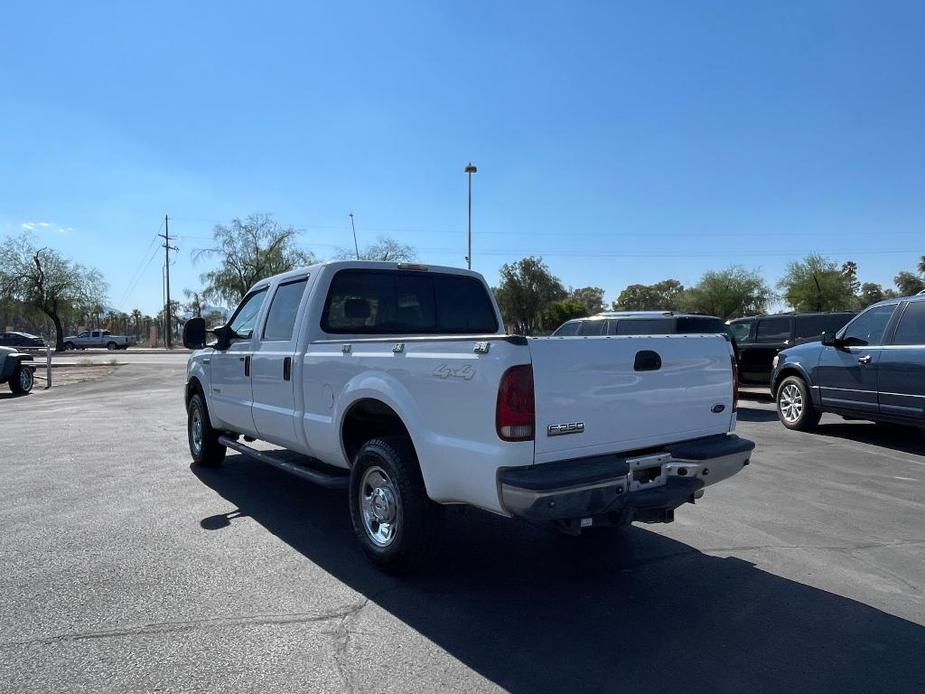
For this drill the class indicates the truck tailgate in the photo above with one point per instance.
(599, 395)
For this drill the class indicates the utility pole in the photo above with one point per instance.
(167, 248)
(355, 246)
(470, 169)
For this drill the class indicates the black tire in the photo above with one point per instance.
(404, 543)
(22, 379)
(795, 408)
(69, 347)
(112, 346)
(207, 451)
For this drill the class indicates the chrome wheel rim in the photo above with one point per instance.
(790, 402)
(196, 430)
(25, 379)
(379, 506)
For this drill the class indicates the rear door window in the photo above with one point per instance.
(283, 311)
(592, 327)
(389, 303)
(741, 332)
(646, 326)
(773, 330)
(911, 328)
(699, 325)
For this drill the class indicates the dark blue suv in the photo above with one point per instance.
(873, 368)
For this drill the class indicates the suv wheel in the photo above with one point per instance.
(203, 439)
(22, 380)
(112, 346)
(392, 516)
(69, 346)
(795, 408)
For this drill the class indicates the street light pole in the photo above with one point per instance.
(470, 169)
(355, 245)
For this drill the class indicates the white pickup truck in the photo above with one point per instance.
(89, 339)
(398, 382)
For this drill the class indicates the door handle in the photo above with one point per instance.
(865, 359)
(247, 364)
(287, 368)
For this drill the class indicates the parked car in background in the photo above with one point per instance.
(760, 338)
(873, 368)
(18, 339)
(15, 370)
(98, 338)
(643, 323)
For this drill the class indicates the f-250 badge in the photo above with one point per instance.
(563, 429)
(464, 372)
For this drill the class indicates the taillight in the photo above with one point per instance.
(514, 416)
(735, 384)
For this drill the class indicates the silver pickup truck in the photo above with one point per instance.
(98, 338)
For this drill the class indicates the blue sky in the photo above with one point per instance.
(623, 142)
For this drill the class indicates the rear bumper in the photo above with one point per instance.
(622, 488)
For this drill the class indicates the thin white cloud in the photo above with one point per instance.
(32, 226)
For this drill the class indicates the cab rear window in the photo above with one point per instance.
(376, 302)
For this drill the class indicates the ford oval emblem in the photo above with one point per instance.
(716, 409)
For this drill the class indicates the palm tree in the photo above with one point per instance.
(195, 302)
(136, 316)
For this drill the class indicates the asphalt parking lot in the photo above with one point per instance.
(127, 569)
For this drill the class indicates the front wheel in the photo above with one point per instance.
(22, 380)
(795, 408)
(392, 516)
(203, 439)
(69, 347)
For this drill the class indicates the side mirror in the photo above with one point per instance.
(828, 339)
(194, 333)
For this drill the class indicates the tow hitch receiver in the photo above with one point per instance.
(648, 471)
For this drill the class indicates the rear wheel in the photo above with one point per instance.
(392, 516)
(203, 439)
(22, 380)
(795, 408)
(112, 346)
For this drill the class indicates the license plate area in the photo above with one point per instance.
(648, 471)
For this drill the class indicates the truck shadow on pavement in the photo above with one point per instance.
(534, 611)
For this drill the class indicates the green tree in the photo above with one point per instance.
(249, 250)
(385, 249)
(817, 284)
(661, 296)
(729, 293)
(870, 293)
(525, 289)
(908, 283)
(48, 282)
(592, 298)
(558, 312)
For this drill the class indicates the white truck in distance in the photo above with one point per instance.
(89, 339)
(398, 382)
